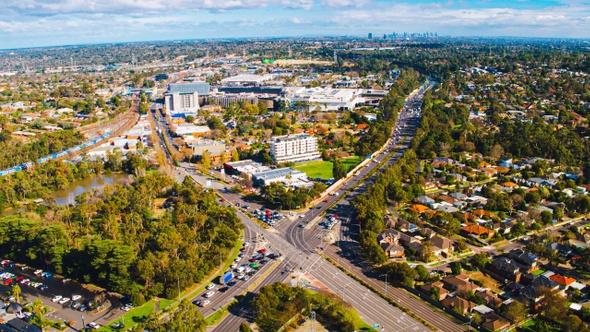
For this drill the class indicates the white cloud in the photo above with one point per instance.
(80, 21)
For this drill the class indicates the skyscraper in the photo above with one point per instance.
(370, 35)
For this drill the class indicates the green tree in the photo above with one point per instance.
(338, 170)
(572, 323)
(244, 327)
(205, 160)
(187, 318)
(16, 291)
(456, 268)
(479, 260)
(235, 156)
(516, 312)
(546, 217)
(422, 272)
(461, 245)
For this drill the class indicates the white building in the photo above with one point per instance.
(289, 176)
(184, 98)
(189, 129)
(176, 103)
(246, 79)
(295, 148)
(329, 99)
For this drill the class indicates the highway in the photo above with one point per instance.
(300, 247)
(311, 237)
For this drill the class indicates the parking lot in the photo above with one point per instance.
(59, 289)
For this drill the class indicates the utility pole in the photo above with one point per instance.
(385, 283)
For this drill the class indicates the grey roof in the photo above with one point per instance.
(201, 88)
(13, 308)
(276, 173)
(545, 282)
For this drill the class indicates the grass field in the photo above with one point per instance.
(323, 169)
(316, 169)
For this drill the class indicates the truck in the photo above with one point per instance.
(226, 277)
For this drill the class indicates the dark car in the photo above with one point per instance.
(224, 289)
(231, 283)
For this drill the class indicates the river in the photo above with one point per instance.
(67, 196)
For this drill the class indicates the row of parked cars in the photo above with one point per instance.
(331, 220)
(8, 279)
(267, 216)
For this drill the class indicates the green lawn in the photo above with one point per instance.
(133, 317)
(323, 169)
(351, 162)
(537, 272)
(316, 169)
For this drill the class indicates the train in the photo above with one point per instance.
(58, 155)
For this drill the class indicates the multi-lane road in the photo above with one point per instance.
(300, 248)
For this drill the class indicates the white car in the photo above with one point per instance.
(76, 297)
(125, 308)
(246, 244)
(211, 286)
(241, 276)
(56, 298)
(38, 272)
(64, 300)
(209, 294)
(234, 265)
(237, 259)
(94, 325)
(205, 303)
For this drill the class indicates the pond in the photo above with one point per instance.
(67, 196)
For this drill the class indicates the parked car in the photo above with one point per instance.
(209, 294)
(76, 297)
(211, 286)
(56, 298)
(75, 305)
(93, 325)
(64, 300)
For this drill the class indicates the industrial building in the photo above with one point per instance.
(294, 148)
(189, 129)
(328, 99)
(244, 168)
(288, 176)
(215, 149)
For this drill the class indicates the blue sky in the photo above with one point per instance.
(26, 23)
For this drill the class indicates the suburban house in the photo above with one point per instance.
(503, 268)
(477, 231)
(531, 295)
(492, 300)
(526, 260)
(458, 282)
(427, 289)
(458, 304)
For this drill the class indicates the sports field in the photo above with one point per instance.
(323, 169)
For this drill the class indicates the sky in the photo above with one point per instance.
(32, 23)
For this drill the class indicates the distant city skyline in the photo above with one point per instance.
(32, 23)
